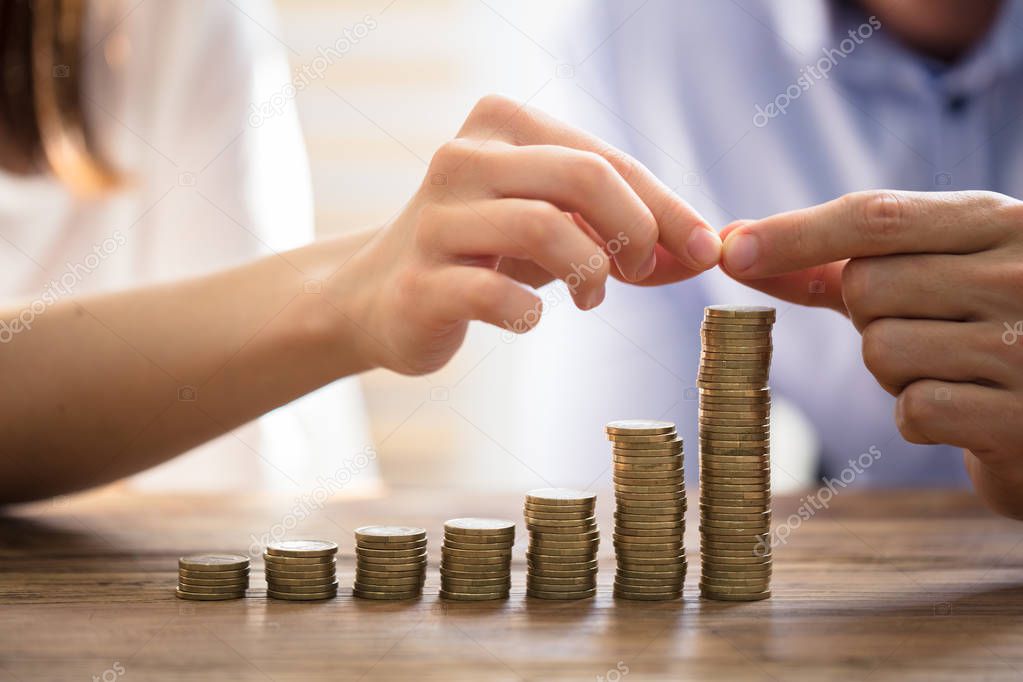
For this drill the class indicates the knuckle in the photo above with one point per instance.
(877, 214)
(493, 113)
(875, 347)
(915, 410)
(855, 282)
(493, 107)
(535, 222)
(622, 163)
(484, 290)
(589, 172)
(450, 155)
(428, 225)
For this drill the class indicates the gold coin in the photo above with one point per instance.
(630, 517)
(712, 393)
(712, 514)
(200, 582)
(758, 312)
(471, 554)
(732, 597)
(540, 517)
(460, 567)
(211, 589)
(476, 582)
(731, 363)
(408, 582)
(475, 575)
(552, 594)
(639, 427)
(568, 544)
(457, 596)
(649, 449)
(195, 596)
(483, 527)
(296, 563)
(393, 553)
(315, 586)
(302, 548)
(385, 576)
(372, 535)
(758, 453)
(557, 497)
(373, 565)
(720, 467)
(626, 460)
(390, 560)
(634, 596)
(560, 523)
(477, 546)
(545, 572)
(387, 596)
(381, 587)
(560, 564)
(214, 575)
(627, 471)
(639, 537)
(552, 552)
(213, 562)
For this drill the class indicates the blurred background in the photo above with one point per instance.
(252, 128)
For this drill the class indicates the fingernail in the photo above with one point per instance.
(647, 267)
(741, 252)
(593, 299)
(704, 247)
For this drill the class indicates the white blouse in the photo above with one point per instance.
(171, 95)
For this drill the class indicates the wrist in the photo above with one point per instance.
(336, 304)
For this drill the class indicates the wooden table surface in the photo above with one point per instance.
(892, 585)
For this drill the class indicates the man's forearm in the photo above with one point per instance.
(108, 385)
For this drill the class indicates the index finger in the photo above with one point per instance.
(681, 230)
(872, 223)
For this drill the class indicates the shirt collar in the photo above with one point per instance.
(818, 29)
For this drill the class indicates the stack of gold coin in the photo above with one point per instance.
(650, 505)
(475, 560)
(735, 466)
(301, 570)
(390, 562)
(213, 577)
(561, 562)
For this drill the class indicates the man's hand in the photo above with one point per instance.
(934, 283)
(516, 198)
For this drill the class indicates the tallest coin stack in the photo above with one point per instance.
(735, 467)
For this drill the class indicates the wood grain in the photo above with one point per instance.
(921, 585)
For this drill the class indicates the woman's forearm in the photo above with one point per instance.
(108, 385)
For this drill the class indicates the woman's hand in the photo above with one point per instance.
(934, 283)
(516, 198)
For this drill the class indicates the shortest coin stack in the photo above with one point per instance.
(390, 562)
(301, 570)
(561, 562)
(212, 577)
(475, 563)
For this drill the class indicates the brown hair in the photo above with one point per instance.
(42, 127)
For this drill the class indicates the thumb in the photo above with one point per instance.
(819, 286)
